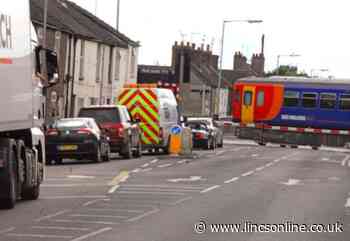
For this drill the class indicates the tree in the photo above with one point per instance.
(286, 70)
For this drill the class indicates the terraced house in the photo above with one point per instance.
(95, 60)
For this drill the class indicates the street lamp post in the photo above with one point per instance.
(284, 55)
(222, 53)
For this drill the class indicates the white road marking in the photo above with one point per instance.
(81, 177)
(334, 178)
(182, 161)
(165, 165)
(94, 201)
(136, 170)
(151, 192)
(325, 159)
(158, 189)
(115, 210)
(210, 188)
(232, 180)
(347, 204)
(73, 197)
(291, 182)
(181, 201)
(103, 230)
(269, 164)
(113, 189)
(84, 221)
(220, 153)
(142, 215)
(189, 179)
(75, 185)
(22, 235)
(7, 230)
(161, 186)
(60, 228)
(122, 177)
(247, 174)
(258, 169)
(154, 161)
(343, 163)
(147, 169)
(255, 155)
(96, 216)
(52, 215)
(145, 165)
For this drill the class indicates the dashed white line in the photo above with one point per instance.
(258, 169)
(73, 197)
(182, 161)
(115, 210)
(151, 192)
(96, 216)
(269, 164)
(60, 228)
(147, 169)
(136, 170)
(52, 215)
(81, 177)
(142, 215)
(145, 165)
(232, 180)
(154, 161)
(84, 221)
(347, 204)
(92, 234)
(210, 188)
(43, 236)
(113, 189)
(247, 174)
(181, 201)
(94, 201)
(7, 230)
(343, 163)
(165, 165)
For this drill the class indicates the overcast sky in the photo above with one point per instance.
(317, 30)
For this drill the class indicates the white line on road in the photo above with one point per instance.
(161, 186)
(52, 215)
(232, 180)
(92, 234)
(151, 192)
(154, 161)
(145, 165)
(142, 215)
(7, 230)
(73, 197)
(113, 189)
(165, 165)
(136, 170)
(157, 189)
(258, 169)
(247, 174)
(96, 216)
(75, 185)
(220, 153)
(84, 221)
(60, 228)
(347, 204)
(43, 236)
(147, 169)
(115, 210)
(343, 163)
(81, 177)
(181, 200)
(182, 161)
(94, 201)
(210, 188)
(269, 164)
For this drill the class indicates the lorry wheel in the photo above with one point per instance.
(282, 145)
(10, 201)
(31, 193)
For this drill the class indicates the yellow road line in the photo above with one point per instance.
(122, 177)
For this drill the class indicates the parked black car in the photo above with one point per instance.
(123, 132)
(202, 135)
(76, 138)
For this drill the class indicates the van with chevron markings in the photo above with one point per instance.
(155, 109)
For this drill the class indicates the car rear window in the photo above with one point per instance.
(197, 126)
(69, 124)
(101, 115)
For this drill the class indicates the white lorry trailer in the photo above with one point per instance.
(22, 104)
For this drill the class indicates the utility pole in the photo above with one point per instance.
(118, 14)
(181, 80)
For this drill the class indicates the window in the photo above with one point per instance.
(98, 63)
(93, 101)
(117, 65)
(108, 101)
(101, 115)
(248, 98)
(291, 98)
(328, 100)
(344, 102)
(82, 57)
(309, 100)
(260, 99)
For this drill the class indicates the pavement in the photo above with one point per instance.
(242, 192)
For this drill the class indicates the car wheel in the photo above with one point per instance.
(221, 144)
(98, 156)
(213, 144)
(128, 151)
(58, 161)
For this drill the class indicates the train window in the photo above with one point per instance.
(344, 102)
(248, 98)
(328, 100)
(309, 100)
(260, 98)
(291, 98)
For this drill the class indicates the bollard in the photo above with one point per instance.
(175, 140)
(186, 140)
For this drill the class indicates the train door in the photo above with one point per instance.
(248, 104)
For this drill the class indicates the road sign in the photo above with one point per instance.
(176, 130)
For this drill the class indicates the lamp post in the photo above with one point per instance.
(285, 55)
(118, 12)
(251, 21)
(320, 70)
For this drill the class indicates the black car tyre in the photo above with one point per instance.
(98, 156)
(128, 151)
(221, 144)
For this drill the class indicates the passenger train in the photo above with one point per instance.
(293, 102)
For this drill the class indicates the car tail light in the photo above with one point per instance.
(52, 132)
(84, 131)
(120, 131)
(199, 136)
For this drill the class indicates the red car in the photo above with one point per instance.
(123, 132)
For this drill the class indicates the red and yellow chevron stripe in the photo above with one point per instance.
(143, 104)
